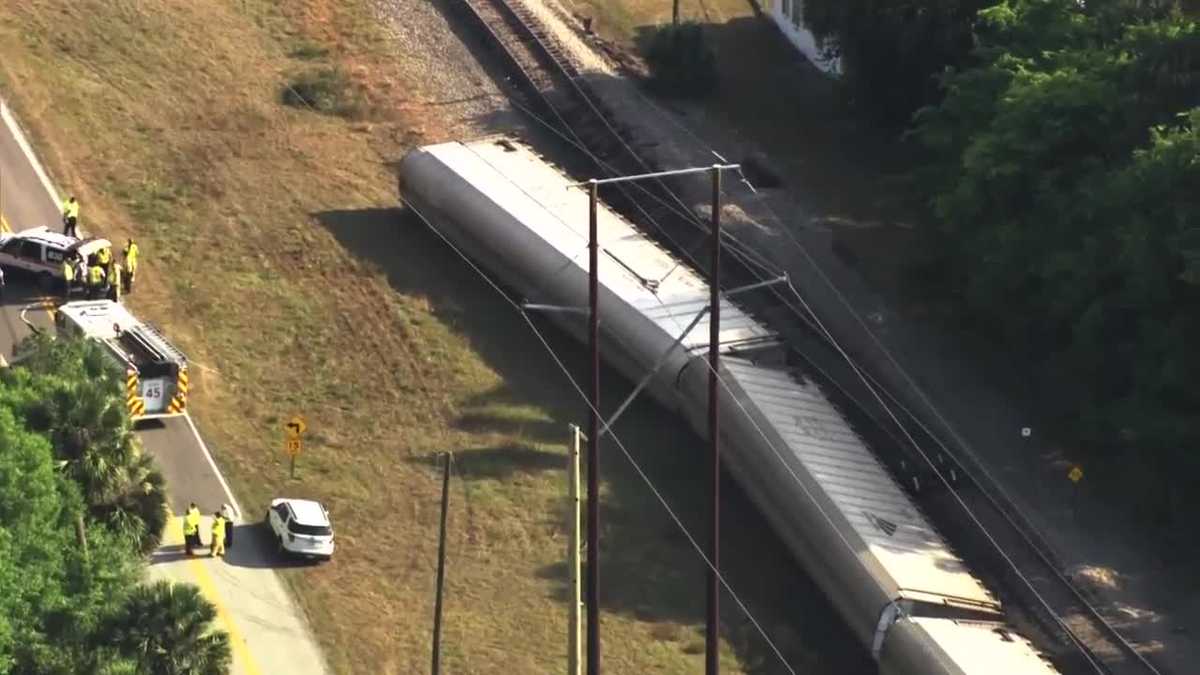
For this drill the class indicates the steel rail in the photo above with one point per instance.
(563, 71)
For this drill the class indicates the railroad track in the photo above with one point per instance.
(1000, 537)
(970, 507)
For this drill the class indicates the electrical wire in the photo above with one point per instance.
(611, 434)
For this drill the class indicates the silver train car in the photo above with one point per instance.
(905, 594)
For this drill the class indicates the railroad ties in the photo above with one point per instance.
(546, 83)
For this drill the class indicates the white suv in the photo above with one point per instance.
(40, 251)
(302, 527)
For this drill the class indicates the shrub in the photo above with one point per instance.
(681, 61)
(324, 90)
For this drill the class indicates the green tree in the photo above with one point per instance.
(1065, 179)
(892, 50)
(72, 391)
(52, 597)
(167, 630)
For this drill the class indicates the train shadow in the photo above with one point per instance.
(649, 569)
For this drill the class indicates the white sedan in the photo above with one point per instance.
(302, 527)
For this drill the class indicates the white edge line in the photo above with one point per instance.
(15, 130)
(208, 455)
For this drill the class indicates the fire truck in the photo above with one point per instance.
(156, 373)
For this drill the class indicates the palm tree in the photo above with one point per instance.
(167, 630)
(82, 410)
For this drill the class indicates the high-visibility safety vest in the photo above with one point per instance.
(191, 523)
(71, 209)
(68, 272)
(103, 256)
(131, 257)
(218, 528)
(114, 275)
(96, 275)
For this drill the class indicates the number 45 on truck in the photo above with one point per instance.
(156, 373)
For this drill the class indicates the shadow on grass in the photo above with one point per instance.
(498, 463)
(648, 568)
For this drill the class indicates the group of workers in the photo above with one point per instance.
(100, 276)
(222, 530)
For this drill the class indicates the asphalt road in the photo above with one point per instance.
(268, 632)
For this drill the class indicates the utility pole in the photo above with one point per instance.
(593, 435)
(593, 506)
(573, 630)
(712, 642)
(674, 13)
(441, 571)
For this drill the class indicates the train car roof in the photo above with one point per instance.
(983, 648)
(634, 267)
(820, 442)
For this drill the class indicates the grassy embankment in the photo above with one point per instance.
(273, 256)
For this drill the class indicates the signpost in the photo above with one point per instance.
(292, 443)
(1075, 475)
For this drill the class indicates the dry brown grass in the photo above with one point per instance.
(273, 255)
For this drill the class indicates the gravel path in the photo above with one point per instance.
(457, 95)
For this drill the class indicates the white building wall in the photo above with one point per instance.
(789, 16)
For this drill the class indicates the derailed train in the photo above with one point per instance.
(905, 594)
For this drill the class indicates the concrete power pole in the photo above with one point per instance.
(574, 629)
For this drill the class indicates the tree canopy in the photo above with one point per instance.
(1066, 178)
(72, 391)
(69, 462)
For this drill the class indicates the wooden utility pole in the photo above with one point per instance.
(574, 646)
(441, 571)
(593, 479)
(593, 436)
(712, 643)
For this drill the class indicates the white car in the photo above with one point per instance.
(302, 527)
(40, 251)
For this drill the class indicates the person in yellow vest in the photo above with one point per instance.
(218, 535)
(68, 277)
(70, 211)
(104, 256)
(191, 528)
(114, 281)
(95, 282)
(131, 263)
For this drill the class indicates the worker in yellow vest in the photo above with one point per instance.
(191, 528)
(95, 282)
(70, 212)
(104, 256)
(114, 281)
(68, 277)
(131, 263)
(218, 535)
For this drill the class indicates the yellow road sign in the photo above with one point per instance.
(295, 427)
(1075, 474)
(292, 447)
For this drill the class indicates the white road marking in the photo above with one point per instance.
(15, 130)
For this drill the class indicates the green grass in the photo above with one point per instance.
(273, 255)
